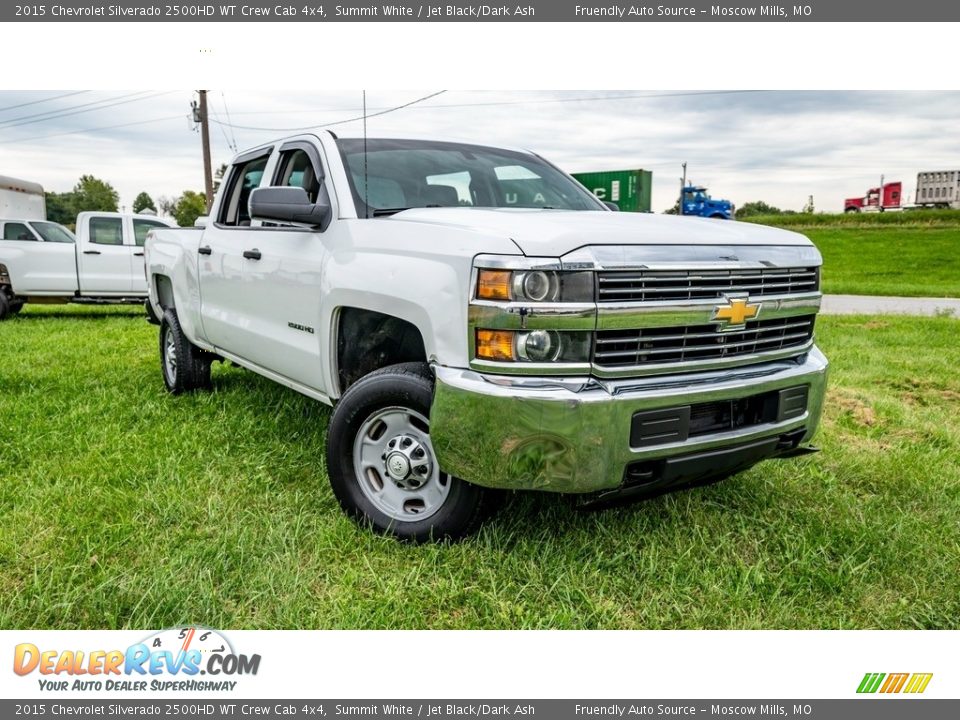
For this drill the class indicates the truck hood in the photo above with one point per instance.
(552, 233)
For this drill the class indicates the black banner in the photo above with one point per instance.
(460, 11)
(868, 708)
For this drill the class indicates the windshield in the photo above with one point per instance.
(51, 232)
(401, 174)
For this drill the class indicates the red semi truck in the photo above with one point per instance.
(887, 197)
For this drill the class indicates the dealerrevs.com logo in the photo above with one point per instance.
(172, 659)
(890, 683)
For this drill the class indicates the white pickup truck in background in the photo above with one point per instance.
(44, 262)
(483, 322)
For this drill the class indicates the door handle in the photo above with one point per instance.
(91, 252)
(205, 250)
(252, 254)
(140, 254)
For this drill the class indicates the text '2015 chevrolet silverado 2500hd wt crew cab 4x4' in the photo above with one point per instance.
(44, 262)
(482, 322)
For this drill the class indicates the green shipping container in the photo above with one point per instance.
(629, 189)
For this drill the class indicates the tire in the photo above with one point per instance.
(151, 315)
(418, 503)
(852, 210)
(184, 366)
(4, 306)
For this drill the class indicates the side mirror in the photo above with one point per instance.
(288, 205)
(612, 206)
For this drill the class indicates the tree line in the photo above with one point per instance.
(93, 194)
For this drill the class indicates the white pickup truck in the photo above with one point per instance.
(41, 261)
(482, 322)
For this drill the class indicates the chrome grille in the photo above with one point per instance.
(647, 285)
(648, 346)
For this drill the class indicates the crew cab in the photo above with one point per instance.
(42, 261)
(482, 323)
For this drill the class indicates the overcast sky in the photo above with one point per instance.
(775, 146)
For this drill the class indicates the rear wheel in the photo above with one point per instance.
(185, 367)
(382, 466)
(5, 310)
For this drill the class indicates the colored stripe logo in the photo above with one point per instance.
(913, 683)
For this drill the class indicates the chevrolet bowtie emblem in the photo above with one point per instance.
(735, 313)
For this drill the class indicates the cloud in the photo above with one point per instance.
(775, 146)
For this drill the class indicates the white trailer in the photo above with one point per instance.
(938, 188)
(22, 199)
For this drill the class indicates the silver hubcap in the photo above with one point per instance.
(170, 356)
(396, 466)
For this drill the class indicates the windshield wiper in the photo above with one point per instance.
(382, 212)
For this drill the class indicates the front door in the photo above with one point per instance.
(38, 266)
(287, 278)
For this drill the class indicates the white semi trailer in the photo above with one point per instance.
(938, 188)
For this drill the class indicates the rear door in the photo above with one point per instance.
(226, 302)
(139, 227)
(106, 262)
(38, 267)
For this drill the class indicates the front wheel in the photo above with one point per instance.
(382, 466)
(185, 367)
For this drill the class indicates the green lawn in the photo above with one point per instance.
(914, 253)
(121, 506)
(917, 262)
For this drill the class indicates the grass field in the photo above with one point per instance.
(914, 254)
(121, 506)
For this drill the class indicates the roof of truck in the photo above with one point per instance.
(25, 186)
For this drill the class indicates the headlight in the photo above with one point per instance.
(535, 346)
(536, 286)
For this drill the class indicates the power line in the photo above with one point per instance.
(49, 99)
(607, 98)
(347, 120)
(223, 97)
(120, 100)
(223, 129)
(90, 130)
(67, 109)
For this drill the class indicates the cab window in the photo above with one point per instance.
(106, 230)
(51, 232)
(295, 169)
(17, 231)
(142, 227)
(244, 178)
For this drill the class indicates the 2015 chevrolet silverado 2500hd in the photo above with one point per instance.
(42, 261)
(482, 322)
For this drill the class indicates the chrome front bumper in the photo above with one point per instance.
(573, 435)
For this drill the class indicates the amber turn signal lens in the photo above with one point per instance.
(493, 284)
(495, 344)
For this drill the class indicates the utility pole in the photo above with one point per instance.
(683, 184)
(200, 116)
